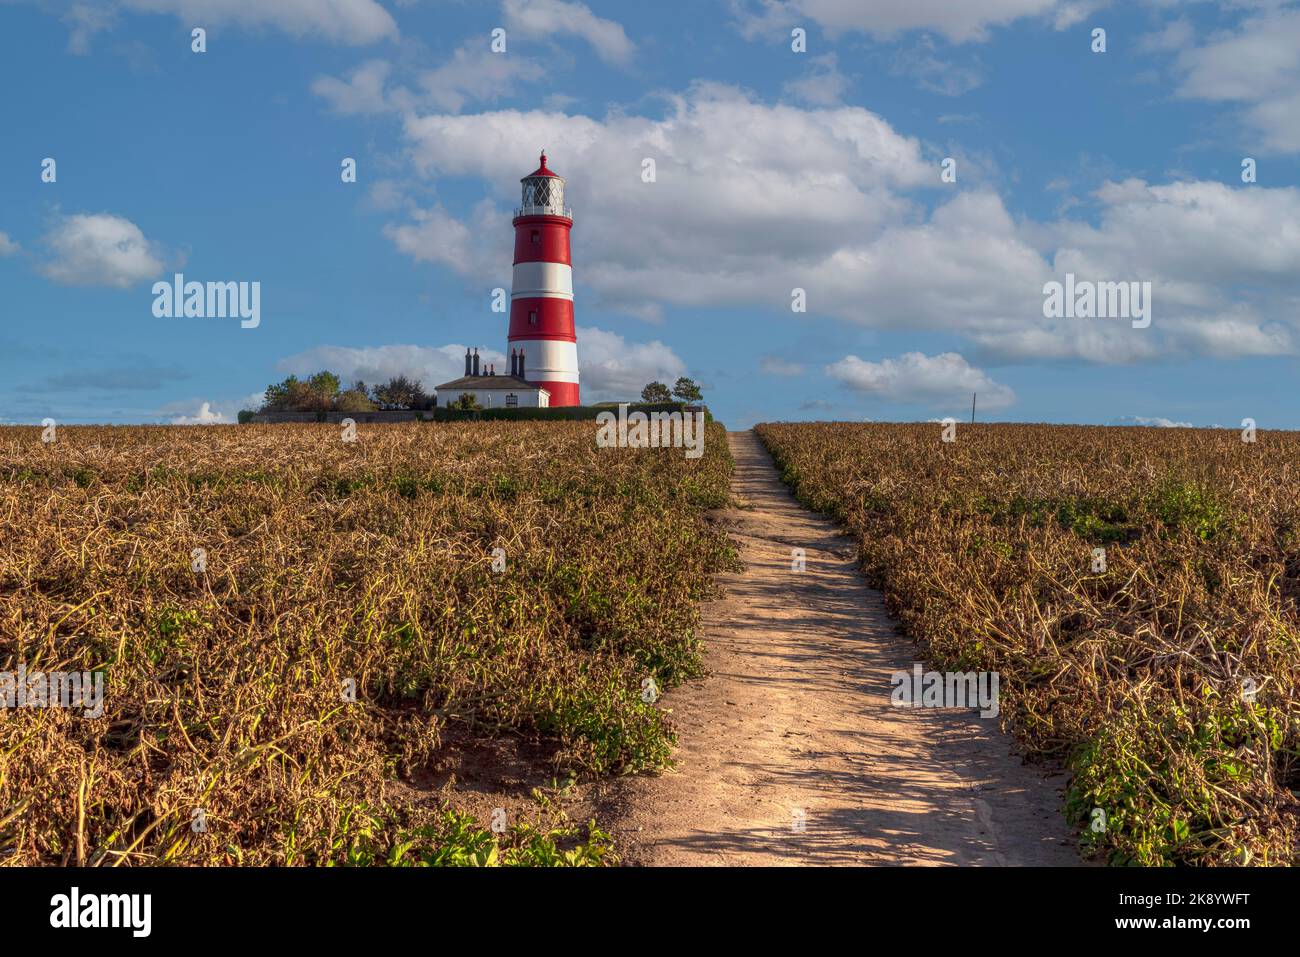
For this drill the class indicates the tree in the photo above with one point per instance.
(294, 395)
(400, 392)
(304, 397)
(276, 394)
(322, 392)
(656, 392)
(353, 400)
(319, 393)
(685, 390)
(466, 403)
(325, 384)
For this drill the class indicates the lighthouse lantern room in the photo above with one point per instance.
(541, 295)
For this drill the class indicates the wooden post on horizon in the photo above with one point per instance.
(972, 408)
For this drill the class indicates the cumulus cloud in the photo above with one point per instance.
(8, 247)
(353, 22)
(753, 200)
(936, 381)
(209, 412)
(479, 249)
(474, 72)
(545, 18)
(1258, 65)
(613, 368)
(205, 415)
(99, 249)
(734, 198)
(1156, 422)
(362, 92)
(1199, 234)
(1199, 244)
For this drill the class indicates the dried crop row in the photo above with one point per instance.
(328, 565)
(1168, 681)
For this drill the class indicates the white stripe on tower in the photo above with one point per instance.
(554, 280)
(556, 361)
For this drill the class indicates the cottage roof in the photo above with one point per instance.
(505, 383)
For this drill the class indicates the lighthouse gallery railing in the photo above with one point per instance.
(564, 211)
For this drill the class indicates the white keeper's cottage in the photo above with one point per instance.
(493, 391)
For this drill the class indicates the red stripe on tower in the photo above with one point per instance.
(541, 296)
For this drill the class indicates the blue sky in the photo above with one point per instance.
(775, 170)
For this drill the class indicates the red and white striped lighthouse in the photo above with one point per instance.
(541, 296)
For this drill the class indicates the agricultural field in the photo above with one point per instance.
(1166, 680)
(290, 626)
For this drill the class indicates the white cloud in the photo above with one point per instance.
(613, 368)
(546, 18)
(8, 247)
(353, 22)
(936, 381)
(1092, 340)
(753, 200)
(474, 72)
(213, 412)
(361, 92)
(1199, 244)
(745, 192)
(1203, 233)
(1231, 335)
(1156, 422)
(99, 249)
(205, 415)
(481, 250)
(1258, 65)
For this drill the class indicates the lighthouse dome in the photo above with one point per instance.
(542, 193)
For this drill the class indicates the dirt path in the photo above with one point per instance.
(796, 718)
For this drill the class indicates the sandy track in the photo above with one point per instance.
(796, 717)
